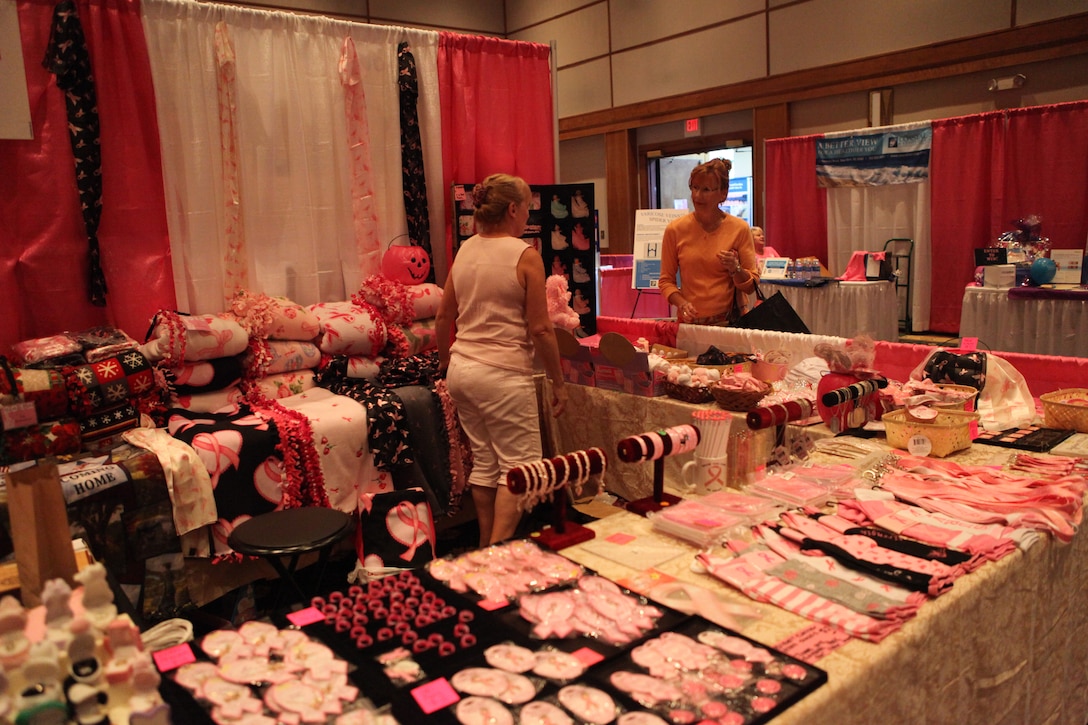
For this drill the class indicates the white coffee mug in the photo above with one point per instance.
(705, 475)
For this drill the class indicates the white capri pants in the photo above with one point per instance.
(498, 410)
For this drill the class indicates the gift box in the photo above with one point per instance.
(617, 365)
(575, 359)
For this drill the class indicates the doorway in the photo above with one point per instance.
(667, 177)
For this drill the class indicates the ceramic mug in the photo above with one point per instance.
(705, 475)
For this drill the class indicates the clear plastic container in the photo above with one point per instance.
(791, 490)
(696, 523)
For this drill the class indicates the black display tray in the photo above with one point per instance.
(737, 695)
(1032, 438)
(740, 699)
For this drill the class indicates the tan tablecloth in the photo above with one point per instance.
(600, 418)
(1007, 644)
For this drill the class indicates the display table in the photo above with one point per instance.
(1006, 644)
(844, 309)
(600, 418)
(1030, 322)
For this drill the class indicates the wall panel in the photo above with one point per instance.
(580, 35)
(585, 88)
(689, 63)
(822, 32)
(636, 23)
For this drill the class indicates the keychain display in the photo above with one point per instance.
(702, 672)
(846, 407)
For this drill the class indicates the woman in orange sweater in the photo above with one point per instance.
(712, 251)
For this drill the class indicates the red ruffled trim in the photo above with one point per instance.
(305, 484)
(176, 336)
(391, 298)
(254, 312)
(460, 452)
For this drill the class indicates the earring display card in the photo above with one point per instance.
(1033, 438)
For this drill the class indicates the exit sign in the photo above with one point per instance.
(692, 127)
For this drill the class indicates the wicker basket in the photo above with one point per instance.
(967, 404)
(739, 400)
(688, 393)
(949, 432)
(1066, 409)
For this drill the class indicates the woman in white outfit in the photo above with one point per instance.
(492, 319)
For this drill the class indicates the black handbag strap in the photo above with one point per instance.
(759, 292)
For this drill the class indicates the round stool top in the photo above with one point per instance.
(290, 531)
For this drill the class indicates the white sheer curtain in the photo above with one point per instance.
(293, 157)
(865, 217)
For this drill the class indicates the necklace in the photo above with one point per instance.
(712, 226)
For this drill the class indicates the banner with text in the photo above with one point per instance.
(898, 155)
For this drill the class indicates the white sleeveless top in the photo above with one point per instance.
(491, 324)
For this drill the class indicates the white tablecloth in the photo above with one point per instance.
(844, 309)
(1041, 327)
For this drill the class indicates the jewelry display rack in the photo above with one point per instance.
(550, 478)
(656, 446)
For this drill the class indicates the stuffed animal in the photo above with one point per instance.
(559, 309)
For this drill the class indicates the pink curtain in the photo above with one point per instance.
(966, 168)
(1047, 171)
(43, 243)
(496, 111)
(796, 218)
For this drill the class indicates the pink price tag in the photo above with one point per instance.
(620, 538)
(435, 695)
(489, 605)
(174, 657)
(309, 615)
(587, 656)
(969, 344)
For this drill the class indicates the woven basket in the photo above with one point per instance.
(967, 404)
(688, 393)
(740, 400)
(949, 432)
(1066, 409)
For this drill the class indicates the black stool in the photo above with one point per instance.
(292, 532)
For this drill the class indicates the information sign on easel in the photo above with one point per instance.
(649, 230)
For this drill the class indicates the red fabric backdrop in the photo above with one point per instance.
(497, 112)
(796, 218)
(966, 168)
(1047, 171)
(986, 171)
(43, 244)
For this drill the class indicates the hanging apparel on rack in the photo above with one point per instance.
(67, 59)
(411, 150)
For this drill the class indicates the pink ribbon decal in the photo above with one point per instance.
(410, 525)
